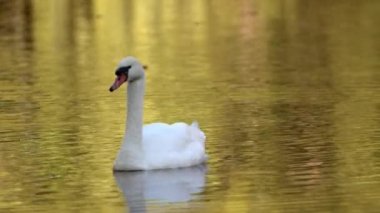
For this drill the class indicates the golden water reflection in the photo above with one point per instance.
(286, 91)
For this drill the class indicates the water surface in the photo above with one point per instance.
(287, 93)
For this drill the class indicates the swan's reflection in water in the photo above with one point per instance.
(165, 186)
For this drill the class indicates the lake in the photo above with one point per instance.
(287, 93)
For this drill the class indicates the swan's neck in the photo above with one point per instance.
(131, 154)
(135, 106)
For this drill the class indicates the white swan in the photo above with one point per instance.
(156, 145)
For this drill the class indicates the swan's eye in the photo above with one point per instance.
(122, 70)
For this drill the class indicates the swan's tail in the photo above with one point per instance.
(195, 124)
(197, 133)
(198, 136)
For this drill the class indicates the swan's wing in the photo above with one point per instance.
(173, 136)
(164, 136)
(178, 144)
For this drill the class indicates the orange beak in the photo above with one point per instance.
(120, 79)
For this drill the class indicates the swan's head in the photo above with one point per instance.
(129, 69)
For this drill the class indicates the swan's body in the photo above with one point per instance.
(163, 146)
(156, 145)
